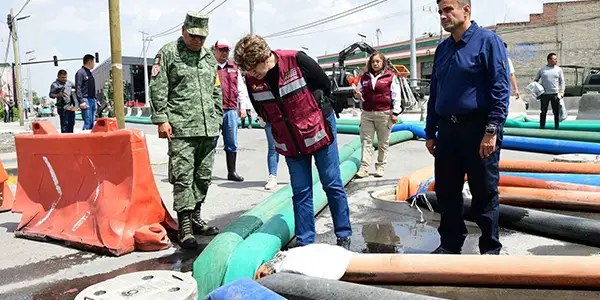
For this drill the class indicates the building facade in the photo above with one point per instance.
(133, 77)
(569, 29)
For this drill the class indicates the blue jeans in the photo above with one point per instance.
(229, 130)
(328, 164)
(272, 155)
(89, 113)
(457, 154)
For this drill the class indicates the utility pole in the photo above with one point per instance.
(117, 60)
(19, 95)
(251, 16)
(377, 33)
(413, 46)
(144, 48)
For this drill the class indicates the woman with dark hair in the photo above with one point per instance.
(379, 91)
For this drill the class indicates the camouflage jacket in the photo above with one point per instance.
(185, 91)
(107, 92)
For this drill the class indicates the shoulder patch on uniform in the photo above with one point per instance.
(217, 81)
(156, 66)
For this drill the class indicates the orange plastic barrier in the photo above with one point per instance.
(90, 190)
(6, 196)
(486, 270)
(555, 199)
(151, 238)
(548, 167)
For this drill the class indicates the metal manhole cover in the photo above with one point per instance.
(155, 285)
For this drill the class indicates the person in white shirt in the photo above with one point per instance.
(379, 91)
(513, 77)
(235, 100)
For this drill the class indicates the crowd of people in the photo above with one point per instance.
(200, 93)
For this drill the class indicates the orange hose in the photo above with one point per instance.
(548, 167)
(525, 182)
(555, 199)
(409, 184)
(555, 271)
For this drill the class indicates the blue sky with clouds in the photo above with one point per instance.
(71, 28)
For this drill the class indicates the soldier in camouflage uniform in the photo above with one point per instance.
(186, 104)
(107, 102)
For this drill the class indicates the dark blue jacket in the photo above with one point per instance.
(85, 85)
(469, 76)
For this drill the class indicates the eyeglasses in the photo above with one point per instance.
(197, 37)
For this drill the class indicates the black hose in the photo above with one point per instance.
(557, 226)
(300, 287)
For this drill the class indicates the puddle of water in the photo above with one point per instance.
(402, 237)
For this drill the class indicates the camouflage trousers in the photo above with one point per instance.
(191, 161)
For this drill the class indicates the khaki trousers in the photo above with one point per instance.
(372, 122)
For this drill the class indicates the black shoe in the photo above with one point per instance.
(441, 250)
(186, 234)
(344, 242)
(231, 173)
(200, 226)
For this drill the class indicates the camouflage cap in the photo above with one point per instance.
(196, 23)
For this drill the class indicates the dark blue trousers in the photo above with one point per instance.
(67, 120)
(457, 154)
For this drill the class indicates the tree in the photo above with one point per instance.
(36, 100)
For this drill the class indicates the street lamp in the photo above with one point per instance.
(29, 93)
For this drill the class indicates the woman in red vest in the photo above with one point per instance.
(289, 90)
(379, 91)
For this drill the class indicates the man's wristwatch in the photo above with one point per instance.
(491, 130)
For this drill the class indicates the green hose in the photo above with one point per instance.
(565, 125)
(262, 245)
(209, 268)
(569, 135)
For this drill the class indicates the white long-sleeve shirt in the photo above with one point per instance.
(243, 98)
(395, 88)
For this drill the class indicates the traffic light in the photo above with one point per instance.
(9, 21)
(97, 58)
(55, 60)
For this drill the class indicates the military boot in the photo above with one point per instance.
(231, 173)
(186, 235)
(200, 226)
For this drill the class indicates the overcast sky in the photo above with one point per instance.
(71, 28)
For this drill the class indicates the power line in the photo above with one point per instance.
(217, 6)
(388, 16)
(22, 8)
(328, 19)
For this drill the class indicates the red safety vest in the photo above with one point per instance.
(380, 98)
(229, 80)
(297, 122)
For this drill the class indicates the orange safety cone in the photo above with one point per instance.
(92, 191)
(6, 196)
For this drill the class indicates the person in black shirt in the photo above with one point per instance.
(86, 91)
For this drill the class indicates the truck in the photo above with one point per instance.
(341, 78)
(587, 80)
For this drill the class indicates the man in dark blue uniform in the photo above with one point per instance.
(467, 109)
